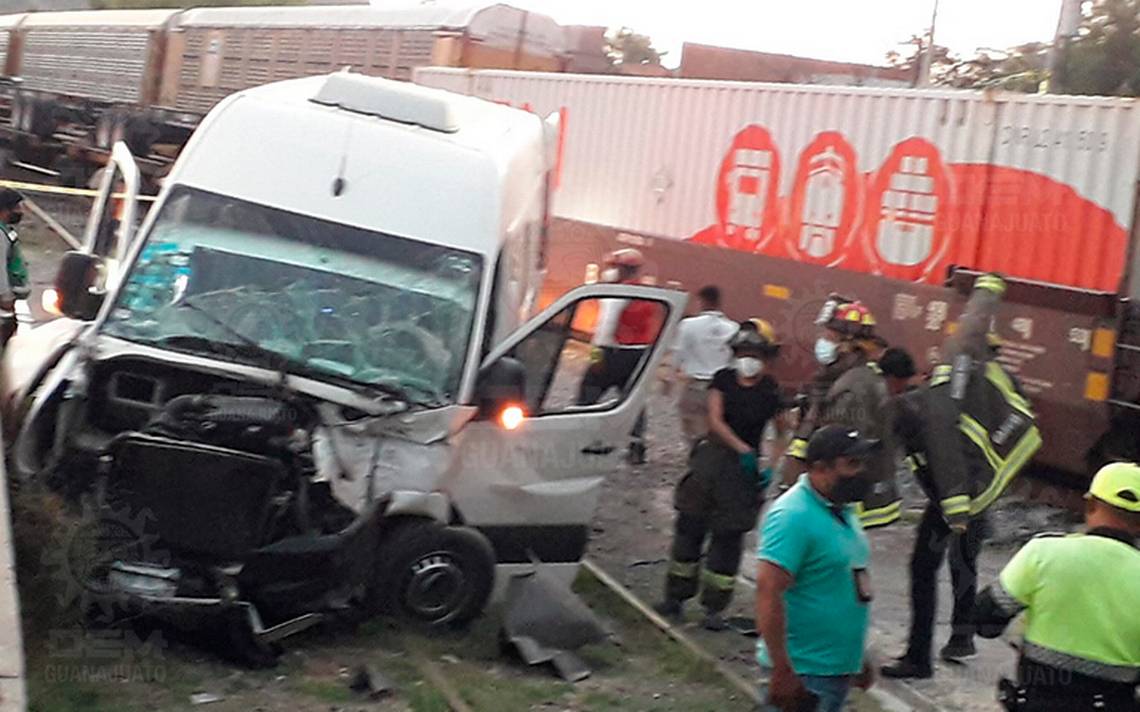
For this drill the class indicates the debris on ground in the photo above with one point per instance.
(1015, 521)
(205, 698)
(370, 681)
(648, 562)
(546, 622)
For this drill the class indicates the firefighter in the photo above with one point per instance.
(719, 499)
(849, 390)
(625, 329)
(967, 432)
(15, 274)
(1081, 647)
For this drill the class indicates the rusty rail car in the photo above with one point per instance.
(73, 83)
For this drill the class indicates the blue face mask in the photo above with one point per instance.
(826, 351)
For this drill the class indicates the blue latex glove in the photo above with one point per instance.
(750, 464)
(765, 478)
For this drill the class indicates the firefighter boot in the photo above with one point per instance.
(671, 609)
(681, 583)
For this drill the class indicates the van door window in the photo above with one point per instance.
(588, 355)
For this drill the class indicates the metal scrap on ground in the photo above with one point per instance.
(546, 622)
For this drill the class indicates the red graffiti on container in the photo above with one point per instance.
(826, 202)
(907, 213)
(747, 195)
(915, 216)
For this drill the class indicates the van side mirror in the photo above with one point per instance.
(75, 286)
(501, 385)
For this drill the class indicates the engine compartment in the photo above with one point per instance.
(223, 474)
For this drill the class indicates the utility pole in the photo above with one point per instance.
(928, 52)
(1067, 23)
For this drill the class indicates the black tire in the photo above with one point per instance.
(432, 574)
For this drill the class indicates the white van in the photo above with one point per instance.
(308, 371)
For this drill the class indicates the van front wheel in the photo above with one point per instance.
(433, 574)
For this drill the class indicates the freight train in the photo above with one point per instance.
(74, 83)
(783, 194)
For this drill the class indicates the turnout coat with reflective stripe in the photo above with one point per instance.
(971, 429)
(859, 399)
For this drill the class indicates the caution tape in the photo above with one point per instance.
(60, 190)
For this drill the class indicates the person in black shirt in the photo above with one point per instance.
(720, 497)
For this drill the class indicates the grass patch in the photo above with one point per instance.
(65, 697)
(425, 698)
(676, 662)
(599, 701)
(606, 603)
(641, 637)
(487, 693)
(40, 521)
(336, 692)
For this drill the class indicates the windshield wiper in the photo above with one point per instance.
(282, 363)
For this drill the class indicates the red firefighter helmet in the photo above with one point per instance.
(852, 319)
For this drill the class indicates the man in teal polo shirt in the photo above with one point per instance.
(813, 589)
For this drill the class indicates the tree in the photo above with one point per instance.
(908, 56)
(1104, 57)
(624, 46)
(1022, 68)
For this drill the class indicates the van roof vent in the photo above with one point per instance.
(396, 101)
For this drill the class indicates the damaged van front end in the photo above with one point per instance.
(272, 405)
(309, 386)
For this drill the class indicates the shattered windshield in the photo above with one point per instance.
(225, 276)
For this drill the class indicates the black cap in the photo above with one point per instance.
(9, 198)
(834, 441)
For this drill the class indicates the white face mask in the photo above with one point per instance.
(826, 351)
(749, 366)
(611, 274)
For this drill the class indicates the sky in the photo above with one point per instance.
(847, 30)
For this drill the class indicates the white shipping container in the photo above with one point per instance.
(1039, 187)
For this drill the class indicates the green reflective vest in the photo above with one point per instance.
(16, 266)
(1079, 595)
